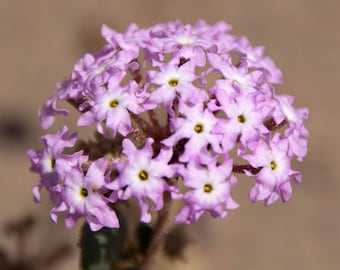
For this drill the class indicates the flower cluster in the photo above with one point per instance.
(178, 109)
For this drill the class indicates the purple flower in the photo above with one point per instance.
(273, 179)
(244, 119)
(237, 77)
(130, 41)
(297, 140)
(51, 162)
(196, 126)
(49, 110)
(209, 190)
(196, 55)
(256, 59)
(112, 105)
(144, 177)
(82, 196)
(172, 81)
(297, 133)
(285, 110)
(170, 105)
(177, 35)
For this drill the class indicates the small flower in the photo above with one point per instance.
(244, 120)
(49, 110)
(273, 179)
(193, 55)
(298, 141)
(112, 105)
(178, 36)
(196, 126)
(82, 196)
(172, 81)
(51, 162)
(285, 110)
(297, 133)
(257, 60)
(130, 41)
(237, 77)
(209, 190)
(144, 177)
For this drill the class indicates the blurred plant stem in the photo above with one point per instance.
(160, 231)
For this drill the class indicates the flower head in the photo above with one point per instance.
(171, 105)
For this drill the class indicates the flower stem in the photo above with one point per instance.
(271, 124)
(158, 238)
(247, 167)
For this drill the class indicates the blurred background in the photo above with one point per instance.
(41, 40)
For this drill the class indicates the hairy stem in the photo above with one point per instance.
(144, 125)
(154, 120)
(271, 124)
(76, 103)
(247, 167)
(160, 230)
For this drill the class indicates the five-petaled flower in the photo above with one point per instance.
(83, 196)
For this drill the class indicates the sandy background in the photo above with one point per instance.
(41, 40)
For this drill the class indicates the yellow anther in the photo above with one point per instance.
(114, 103)
(143, 175)
(53, 163)
(173, 82)
(273, 165)
(83, 192)
(207, 188)
(198, 128)
(241, 118)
